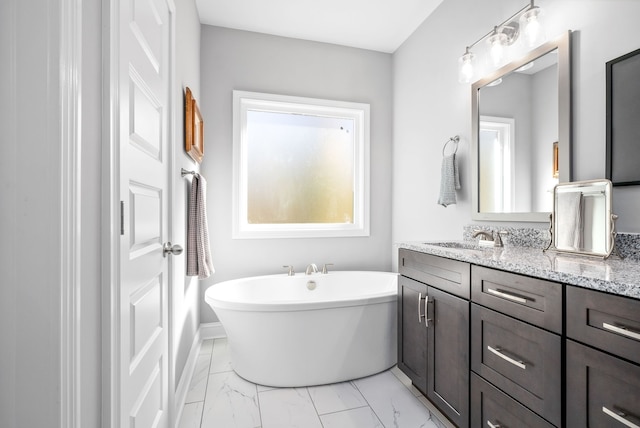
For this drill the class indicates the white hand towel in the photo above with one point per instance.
(569, 222)
(449, 180)
(198, 252)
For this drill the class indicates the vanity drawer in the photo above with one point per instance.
(608, 322)
(522, 360)
(532, 300)
(448, 275)
(602, 391)
(491, 407)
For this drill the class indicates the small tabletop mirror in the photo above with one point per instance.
(582, 221)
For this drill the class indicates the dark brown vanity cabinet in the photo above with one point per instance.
(497, 349)
(603, 371)
(433, 330)
(516, 346)
(412, 331)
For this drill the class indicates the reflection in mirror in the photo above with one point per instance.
(521, 117)
(526, 102)
(582, 219)
(497, 136)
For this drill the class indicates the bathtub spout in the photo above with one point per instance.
(311, 269)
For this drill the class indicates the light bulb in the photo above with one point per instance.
(532, 30)
(497, 42)
(466, 65)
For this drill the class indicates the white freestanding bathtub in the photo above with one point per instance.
(302, 330)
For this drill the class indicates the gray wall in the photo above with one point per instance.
(186, 309)
(30, 214)
(232, 59)
(545, 113)
(430, 105)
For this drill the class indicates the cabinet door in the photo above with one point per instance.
(412, 331)
(602, 391)
(448, 350)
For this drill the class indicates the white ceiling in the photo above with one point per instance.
(380, 25)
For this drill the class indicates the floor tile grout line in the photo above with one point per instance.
(259, 405)
(313, 403)
(368, 404)
(206, 386)
(344, 410)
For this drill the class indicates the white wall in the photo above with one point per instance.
(232, 59)
(430, 105)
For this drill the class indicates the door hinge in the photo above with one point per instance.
(121, 217)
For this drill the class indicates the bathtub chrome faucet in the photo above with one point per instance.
(311, 269)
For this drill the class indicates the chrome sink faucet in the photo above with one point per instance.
(495, 237)
(484, 233)
(311, 269)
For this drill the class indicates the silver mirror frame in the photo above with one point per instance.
(563, 45)
(610, 227)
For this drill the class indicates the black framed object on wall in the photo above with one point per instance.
(623, 119)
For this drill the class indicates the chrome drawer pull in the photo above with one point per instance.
(620, 417)
(506, 295)
(498, 352)
(420, 316)
(492, 425)
(426, 311)
(620, 329)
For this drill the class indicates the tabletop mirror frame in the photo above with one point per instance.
(563, 45)
(585, 188)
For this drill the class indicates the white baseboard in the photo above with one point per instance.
(212, 330)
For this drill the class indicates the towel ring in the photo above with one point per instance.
(455, 141)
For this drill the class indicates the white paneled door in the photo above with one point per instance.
(144, 87)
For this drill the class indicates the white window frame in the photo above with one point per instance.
(244, 101)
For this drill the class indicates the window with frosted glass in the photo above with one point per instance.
(300, 167)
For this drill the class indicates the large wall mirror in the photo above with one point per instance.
(521, 125)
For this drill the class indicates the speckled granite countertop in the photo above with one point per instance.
(615, 275)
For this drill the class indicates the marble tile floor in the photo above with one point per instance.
(218, 398)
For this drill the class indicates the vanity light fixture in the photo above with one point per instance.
(466, 66)
(525, 22)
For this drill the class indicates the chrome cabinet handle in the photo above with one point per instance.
(506, 295)
(621, 329)
(620, 417)
(167, 248)
(499, 353)
(426, 311)
(492, 425)
(420, 298)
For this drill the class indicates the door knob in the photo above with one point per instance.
(173, 249)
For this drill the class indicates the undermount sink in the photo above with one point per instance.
(459, 245)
